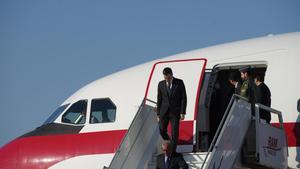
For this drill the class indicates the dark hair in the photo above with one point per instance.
(259, 77)
(167, 71)
(233, 76)
(170, 147)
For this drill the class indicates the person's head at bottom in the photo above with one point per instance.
(167, 148)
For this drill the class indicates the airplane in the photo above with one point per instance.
(86, 130)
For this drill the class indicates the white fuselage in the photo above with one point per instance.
(126, 89)
(281, 54)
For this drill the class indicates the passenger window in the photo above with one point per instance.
(102, 111)
(76, 114)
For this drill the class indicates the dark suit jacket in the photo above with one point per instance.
(238, 88)
(263, 96)
(176, 102)
(176, 162)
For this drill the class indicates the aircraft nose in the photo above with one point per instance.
(28, 152)
(9, 155)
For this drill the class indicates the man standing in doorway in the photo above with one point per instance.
(171, 105)
(247, 87)
(262, 96)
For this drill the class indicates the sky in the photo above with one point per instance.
(49, 49)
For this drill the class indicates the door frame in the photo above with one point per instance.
(198, 88)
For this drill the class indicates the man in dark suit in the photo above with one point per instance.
(169, 159)
(171, 105)
(262, 96)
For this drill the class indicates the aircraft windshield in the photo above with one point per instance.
(56, 113)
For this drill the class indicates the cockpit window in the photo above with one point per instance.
(76, 114)
(102, 111)
(56, 113)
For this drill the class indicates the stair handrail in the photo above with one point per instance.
(212, 145)
(131, 125)
(258, 107)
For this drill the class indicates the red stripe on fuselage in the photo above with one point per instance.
(44, 151)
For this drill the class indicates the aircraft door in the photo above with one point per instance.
(191, 71)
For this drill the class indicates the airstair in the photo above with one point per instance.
(246, 141)
(242, 141)
(140, 141)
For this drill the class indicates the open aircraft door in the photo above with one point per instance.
(191, 71)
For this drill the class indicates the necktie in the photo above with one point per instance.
(167, 162)
(169, 88)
